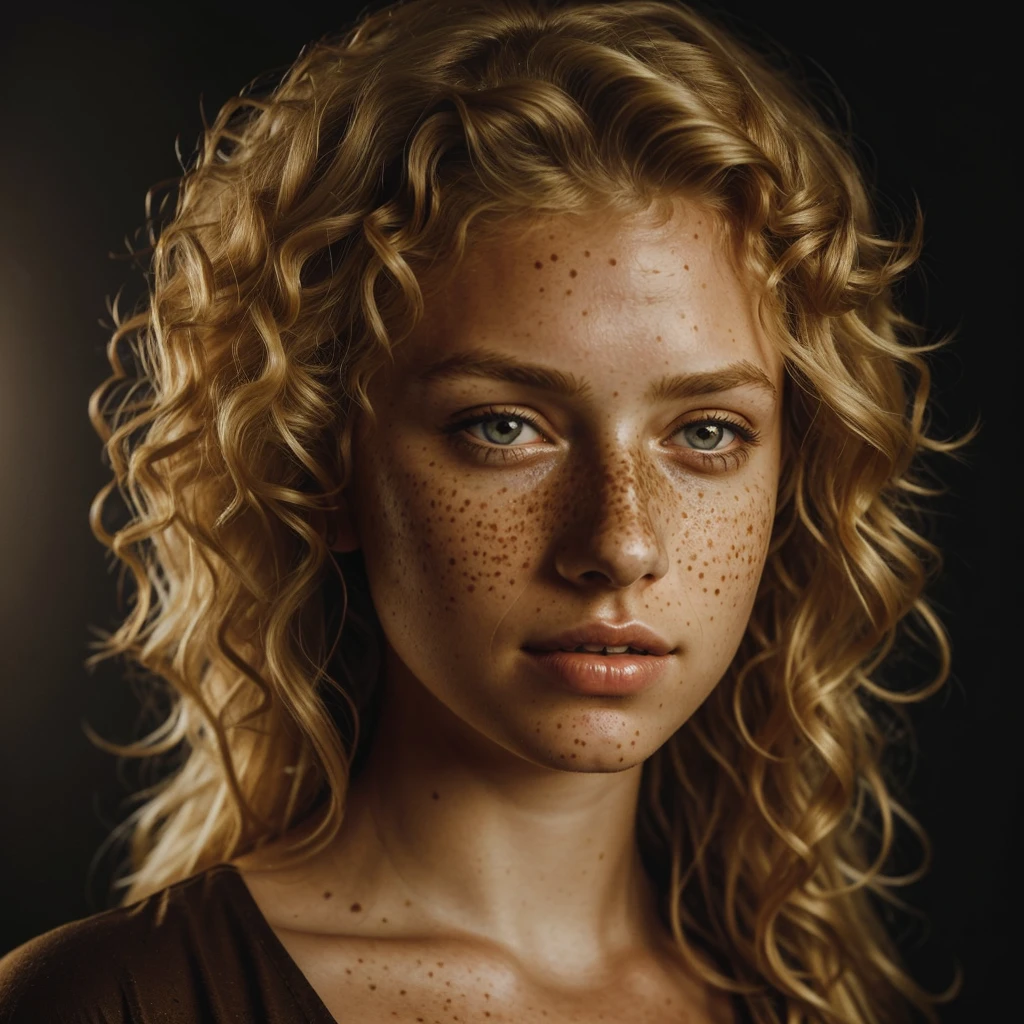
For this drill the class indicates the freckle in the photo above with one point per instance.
(372, 987)
(586, 252)
(700, 575)
(584, 312)
(356, 907)
(716, 591)
(541, 288)
(696, 235)
(408, 903)
(383, 920)
(615, 394)
(658, 338)
(539, 265)
(435, 795)
(554, 257)
(686, 266)
(568, 291)
(612, 262)
(572, 273)
(328, 894)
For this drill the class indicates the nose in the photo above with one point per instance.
(611, 537)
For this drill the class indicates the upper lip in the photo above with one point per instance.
(631, 634)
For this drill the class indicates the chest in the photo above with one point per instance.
(386, 981)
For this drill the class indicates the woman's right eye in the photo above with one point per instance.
(502, 428)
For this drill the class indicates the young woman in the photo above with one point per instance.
(519, 439)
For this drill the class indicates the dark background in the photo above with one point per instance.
(92, 99)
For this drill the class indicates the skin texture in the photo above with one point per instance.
(493, 829)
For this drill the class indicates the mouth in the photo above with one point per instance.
(596, 671)
(604, 638)
(591, 649)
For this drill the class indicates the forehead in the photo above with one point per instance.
(625, 294)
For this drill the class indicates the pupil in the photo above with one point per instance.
(706, 435)
(500, 425)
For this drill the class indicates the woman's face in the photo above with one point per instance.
(496, 510)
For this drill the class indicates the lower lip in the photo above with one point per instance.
(602, 674)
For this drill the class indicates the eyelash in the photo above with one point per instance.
(720, 461)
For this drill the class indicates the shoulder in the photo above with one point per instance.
(71, 973)
(113, 965)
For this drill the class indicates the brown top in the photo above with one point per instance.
(197, 952)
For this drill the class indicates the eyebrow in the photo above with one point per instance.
(480, 362)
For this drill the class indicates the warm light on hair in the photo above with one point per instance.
(293, 264)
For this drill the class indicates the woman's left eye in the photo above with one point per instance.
(708, 435)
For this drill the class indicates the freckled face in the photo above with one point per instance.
(493, 513)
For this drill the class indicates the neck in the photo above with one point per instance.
(542, 863)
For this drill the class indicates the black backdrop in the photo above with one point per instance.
(93, 96)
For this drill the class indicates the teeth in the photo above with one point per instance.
(599, 649)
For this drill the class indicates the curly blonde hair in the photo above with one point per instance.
(293, 264)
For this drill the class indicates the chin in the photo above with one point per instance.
(575, 759)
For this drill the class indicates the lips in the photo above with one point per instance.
(596, 675)
(602, 635)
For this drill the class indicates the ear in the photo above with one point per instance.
(338, 527)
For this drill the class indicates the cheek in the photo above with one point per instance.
(439, 547)
(719, 558)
